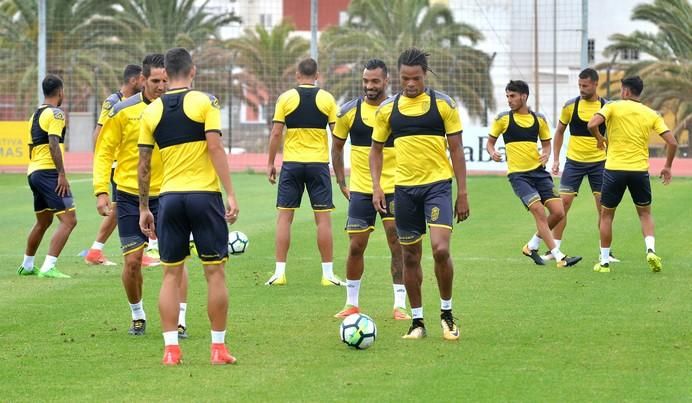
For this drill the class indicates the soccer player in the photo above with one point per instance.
(532, 183)
(629, 124)
(48, 183)
(118, 141)
(356, 119)
(305, 111)
(423, 124)
(186, 127)
(584, 159)
(131, 84)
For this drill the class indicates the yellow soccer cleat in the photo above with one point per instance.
(334, 281)
(654, 261)
(601, 268)
(276, 280)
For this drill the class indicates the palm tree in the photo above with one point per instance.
(268, 60)
(79, 45)
(668, 73)
(384, 28)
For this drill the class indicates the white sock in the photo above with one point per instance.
(558, 243)
(535, 242)
(170, 338)
(417, 313)
(153, 244)
(328, 269)
(138, 311)
(352, 290)
(28, 262)
(557, 254)
(218, 337)
(97, 245)
(605, 255)
(446, 304)
(399, 296)
(181, 314)
(49, 263)
(280, 269)
(650, 243)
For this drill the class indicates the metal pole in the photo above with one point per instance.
(230, 107)
(584, 33)
(313, 29)
(555, 63)
(41, 48)
(535, 54)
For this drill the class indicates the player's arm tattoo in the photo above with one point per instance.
(144, 175)
(55, 153)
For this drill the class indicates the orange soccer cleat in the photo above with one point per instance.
(172, 355)
(347, 311)
(96, 257)
(221, 356)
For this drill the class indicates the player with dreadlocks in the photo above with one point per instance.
(424, 124)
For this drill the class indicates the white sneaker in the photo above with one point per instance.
(276, 280)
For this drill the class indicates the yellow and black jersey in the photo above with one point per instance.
(47, 121)
(419, 127)
(306, 111)
(356, 120)
(118, 140)
(107, 105)
(177, 123)
(629, 125)
(520, 133)
(575, 114)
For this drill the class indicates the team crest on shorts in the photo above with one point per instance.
(434, 214)
(391, 207)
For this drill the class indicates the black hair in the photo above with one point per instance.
(307, 67)
(414, 57)
(131, 70)
(517, 86)
(589, 73)
(635, 85)
(51, 85)
(178, 63)
(374, 64)
(151, 61)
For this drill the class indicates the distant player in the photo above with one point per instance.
(131, 84)
(521, 128)
(629, 124)
(356, 120)
(185, 125)
(305, 111)
(118, 141)
(48, 182)
(424, 124)
(584, 159)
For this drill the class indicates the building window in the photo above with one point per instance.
(265, 20)
(630, 54)
(591, 50)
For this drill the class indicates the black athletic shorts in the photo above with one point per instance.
(43, 183)
(575, 172)
(533, 186)
(131, 236)
(362, 214)
(296, 177)
(615, 183)
(418, 205)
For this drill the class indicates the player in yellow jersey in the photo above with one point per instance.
(424, 124)
(118, 141)
(48, 182)
(584, 159)
(356, 120)
(521, 128)
(305, 111)
(629, 124)
(185, 125)
(132, 84)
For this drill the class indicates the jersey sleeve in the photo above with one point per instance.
(106, 108)
(450, 117)
(56, 123)
(606, 110)
(543, 129)
(150, 119)
(332, 108)
(212, 120)
(343, 124)
(659, 125)
(108, 141)
(566, 114)
(382, 129)
(280, 110)
(499, 126)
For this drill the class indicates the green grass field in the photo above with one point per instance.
(529, 333)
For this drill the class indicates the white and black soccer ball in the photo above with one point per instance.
(358, 331)
(237, 243)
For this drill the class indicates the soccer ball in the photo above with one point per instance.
(358, 331)
(237, 243)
